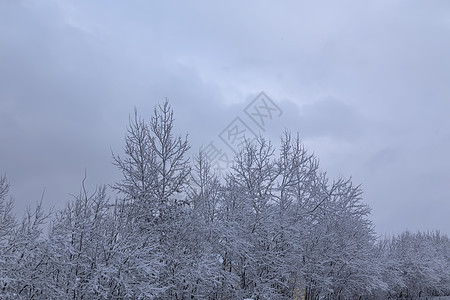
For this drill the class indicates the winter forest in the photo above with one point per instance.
(275, 227)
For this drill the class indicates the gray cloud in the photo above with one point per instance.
(365, 85)
(329, 117)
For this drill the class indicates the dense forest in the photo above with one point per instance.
(274, 227)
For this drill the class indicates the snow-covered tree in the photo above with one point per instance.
(100, 252)
(23, 254)
(7, 226)
(155, 167)
(421, 264)
(275, 227)
(7, 219)
(155, 173)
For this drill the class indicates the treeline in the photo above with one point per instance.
(274, 228)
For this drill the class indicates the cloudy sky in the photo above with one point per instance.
(365, 84)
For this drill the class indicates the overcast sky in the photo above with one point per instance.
(365, 84)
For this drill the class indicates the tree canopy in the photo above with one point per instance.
(274, 227)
